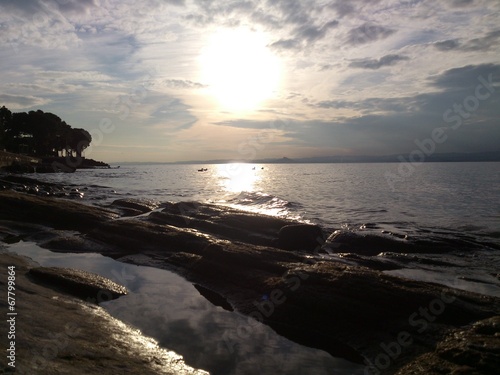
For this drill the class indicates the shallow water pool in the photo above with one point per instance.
(168, 308)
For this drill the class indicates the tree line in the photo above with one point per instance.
(40, 134)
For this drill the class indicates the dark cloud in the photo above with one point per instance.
(391, 125)
(31, 7)
(382, 134)
(343, 8)
(376, 105)
(305, 35)
(182, 84)
(313, 33)
(28, 7)
(447, 45)
(349, 8)
(75, 6)
(292, 12)
(374, 64)
(462, 3)
(296, 20)
(485, 43)
(20, 100)
(466, 78)
(367, 33)
(176, 2)
(285, 44)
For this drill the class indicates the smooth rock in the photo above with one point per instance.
(79, 283)
(301, 237)
(133, 207)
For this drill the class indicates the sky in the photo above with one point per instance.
(177, 80)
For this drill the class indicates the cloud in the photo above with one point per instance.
(466, 78)
(285, 44)
(313, 33)
(367, 33)
(253, 124)
(392, 124)
(482, 44)
(181, 84)
(77, 58)
(32, 7)
(169, 114)
(447, 45)
(376, 105)
(305, 35)
(76, 6)
(21, 101)
(374, 64)
(462, 3)
(343, 8)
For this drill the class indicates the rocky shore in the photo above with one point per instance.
(58, 332)
(276, 271)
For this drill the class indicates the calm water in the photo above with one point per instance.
(456, 197)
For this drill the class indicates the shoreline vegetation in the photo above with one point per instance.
(41, 142)
(16, 163)
(389, 324)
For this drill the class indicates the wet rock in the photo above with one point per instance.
(387, 242)
(139, 236)
(300, 237)
(69, 242)
(222, 222)
(133, 207)
(58, 334)
(213, 297)
(61, 214)
(364, 244)
(79, 283)
(471, 350)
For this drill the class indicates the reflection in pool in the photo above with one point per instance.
(169, 308)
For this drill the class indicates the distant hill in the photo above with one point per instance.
(443, 157)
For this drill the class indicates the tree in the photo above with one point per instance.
(5, 123)
(80, 140)
(41, 134)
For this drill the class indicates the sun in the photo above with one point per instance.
(239, 69)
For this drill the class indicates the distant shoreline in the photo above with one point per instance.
(436, 158)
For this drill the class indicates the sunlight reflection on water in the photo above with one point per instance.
(238, 177)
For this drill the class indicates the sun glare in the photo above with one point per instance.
(239, 69)
(237, 177)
